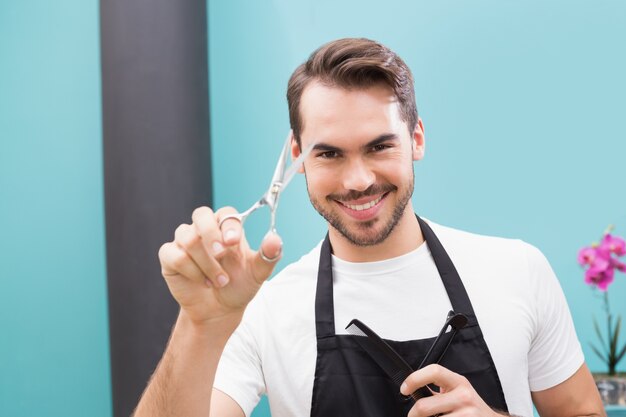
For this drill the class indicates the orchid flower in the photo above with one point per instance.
(614, 244)
(600, 262)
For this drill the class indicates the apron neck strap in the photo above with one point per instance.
(324, 304)
(449, 276)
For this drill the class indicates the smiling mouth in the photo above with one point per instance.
(361, 207)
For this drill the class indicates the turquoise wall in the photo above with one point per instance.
(54, 355)
(522, 102)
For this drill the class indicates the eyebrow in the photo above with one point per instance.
(385, 137)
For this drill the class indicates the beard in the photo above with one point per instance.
(364, 233)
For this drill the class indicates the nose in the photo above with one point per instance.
(358, 176)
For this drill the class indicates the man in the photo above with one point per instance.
(380, 263)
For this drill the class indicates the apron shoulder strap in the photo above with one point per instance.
(451, 280)
(324, 304)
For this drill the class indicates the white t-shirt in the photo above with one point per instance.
(517, 299)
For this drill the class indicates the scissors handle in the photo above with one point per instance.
(241, 217)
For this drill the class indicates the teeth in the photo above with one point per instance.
(364, 206)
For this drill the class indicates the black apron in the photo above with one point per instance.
(349, 383)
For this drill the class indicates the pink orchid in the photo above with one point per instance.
(600, 263)
(620, 266)
(600, 277)
(586, 255)
(601, 260)
(613, 244)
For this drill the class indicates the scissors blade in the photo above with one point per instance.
(293, 168)
(281, 176)
(279, 171)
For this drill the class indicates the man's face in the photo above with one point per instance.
(360, 173)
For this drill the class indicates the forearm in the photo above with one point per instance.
(183, 381)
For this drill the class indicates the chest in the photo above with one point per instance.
(289, 350)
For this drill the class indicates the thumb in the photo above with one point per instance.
(267, 256)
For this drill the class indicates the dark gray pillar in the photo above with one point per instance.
(157, 169)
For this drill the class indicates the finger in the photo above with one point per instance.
(231, 228)
(175, 262)
(188, 240)
(267, 256)
(432, 406)
(206, 225)
(431, 374)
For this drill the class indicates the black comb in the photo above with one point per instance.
(388, 359)
(456, 321)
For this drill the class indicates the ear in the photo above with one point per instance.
(419, 141)
(295, 152)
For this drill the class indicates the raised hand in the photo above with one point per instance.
(211, 270)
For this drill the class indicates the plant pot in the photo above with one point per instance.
(612, 388)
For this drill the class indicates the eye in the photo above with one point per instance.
(380, 147)
(328, 155)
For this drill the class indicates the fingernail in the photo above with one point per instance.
(229, 234)
(217, 248)
(403, 387)
(208, 283)
(270, 233)
(222, 280)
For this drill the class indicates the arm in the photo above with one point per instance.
(213, 274)
(576, 396)
(555, 351)
(181, 384)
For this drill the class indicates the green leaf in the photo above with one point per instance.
(610, 330)
(621, 354)
(599, 333)
(597, 352)
(618, 325)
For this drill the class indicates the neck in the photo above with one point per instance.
(404, 238)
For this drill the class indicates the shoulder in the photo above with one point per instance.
(472, 248)
(494, 269)
(457, 237)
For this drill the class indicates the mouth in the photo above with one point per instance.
(361, 207)
(363, 210)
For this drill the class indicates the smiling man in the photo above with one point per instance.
(360, 174)
(237, 337)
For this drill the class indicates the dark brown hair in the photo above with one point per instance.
(353, 63)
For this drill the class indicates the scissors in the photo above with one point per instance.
(280, 180)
